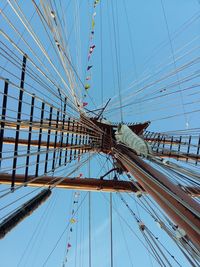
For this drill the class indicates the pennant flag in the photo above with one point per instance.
(71, 229)
(88, 78)
(76, 194)
(53, 14)
(94, 14)
(80, 175)
(92, 32)
(69, 245)
(72, 211)
(75, 202)
(92, 49)
(89, 55)
(85, 104)
(87, 86)
(96, 2)
(93, 23)
(72, 220)
(89, 67)
(58, 44)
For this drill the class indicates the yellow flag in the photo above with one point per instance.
(72, 220)
(93, 23)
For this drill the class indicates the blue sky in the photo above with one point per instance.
(143, 47)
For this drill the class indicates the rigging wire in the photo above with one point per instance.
(63, 232)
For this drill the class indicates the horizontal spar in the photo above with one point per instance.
(24, 142)
(88, 184)
(74, 128)
(176, 155)
(85, 184)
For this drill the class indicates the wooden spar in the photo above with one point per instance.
(24, 142)
(22, 212)
(88, 184)
(175, 155)
(165, 154)
(178, 212)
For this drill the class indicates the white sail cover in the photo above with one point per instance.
(126, 136)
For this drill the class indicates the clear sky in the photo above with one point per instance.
(132, 50)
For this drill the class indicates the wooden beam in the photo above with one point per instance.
(25, 142)
(77, 183)
(86, 184)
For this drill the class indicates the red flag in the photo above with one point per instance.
(85, 104)
(92, 47)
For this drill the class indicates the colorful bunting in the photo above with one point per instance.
(96, 3)
(77, 194)
(93, 24)
(85, 104)
(87, 86)
(72, 220)
(92, 46)
(89, 67)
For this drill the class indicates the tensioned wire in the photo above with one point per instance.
(71, 67)
(30, 72)
(138, 221)
(168, 75)
(62, 234)
(36, 230)
(160, 98)
(166, 64)
(34, 87)
(84, 121)
(51, 186)
(190, 41)
(117, 55)
(182, 46)
(163, 107)
(33, 52)
(35, 178)
(155, 95)
(35, 38)
(173, 57)
(128, 225)
(174, 259)
(127, 160)
(14, 28)
(160, 89)
(168, 191)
